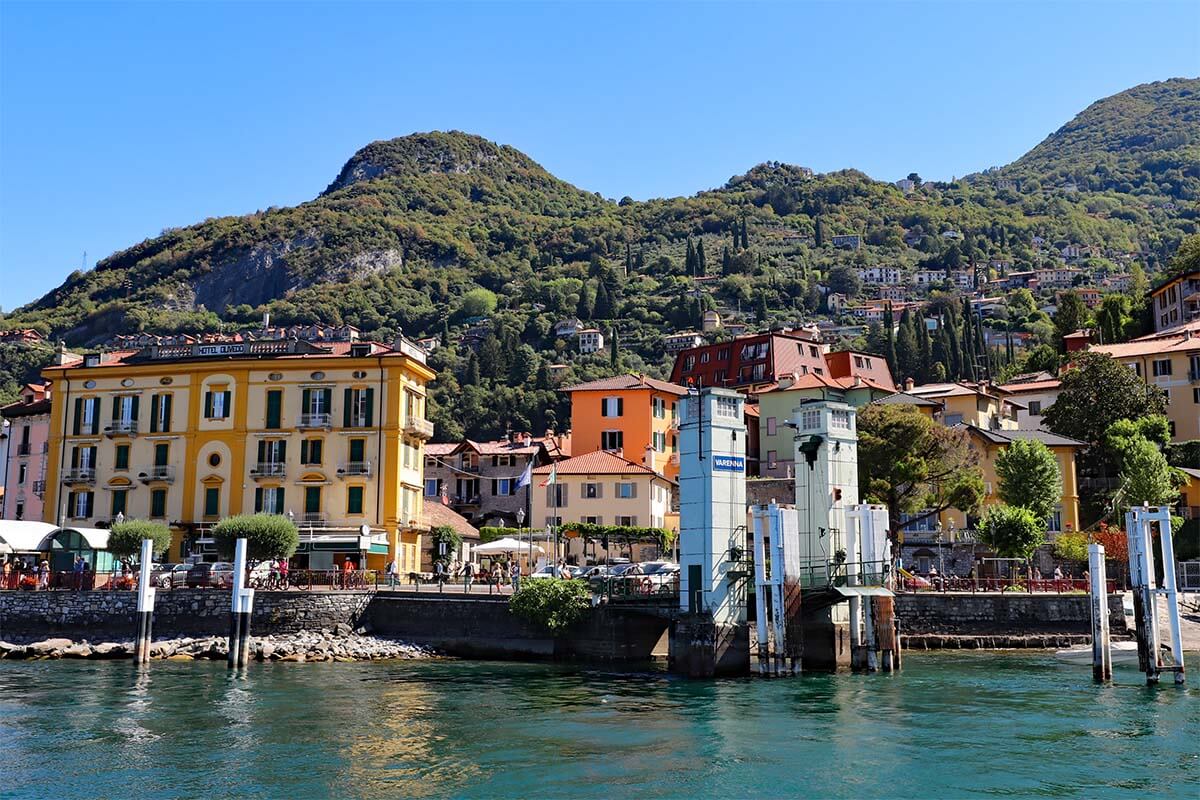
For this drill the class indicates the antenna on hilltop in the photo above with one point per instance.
(84, 264)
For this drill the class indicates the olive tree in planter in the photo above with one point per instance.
(266, 535)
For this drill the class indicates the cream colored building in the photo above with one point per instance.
(327, 433)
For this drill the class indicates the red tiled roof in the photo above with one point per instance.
(1031, 386)
(437, 514)
(440, 448)
(627, 381)
(598, 462)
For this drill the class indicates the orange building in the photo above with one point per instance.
(631, 415)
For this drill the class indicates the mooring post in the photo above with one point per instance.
(145, 605)
(1170, 588)
(760, 592)
(1101, 655)
(239, 621)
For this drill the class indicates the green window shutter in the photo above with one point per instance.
(312, 499)
(136, 403)
(95, 415)
(208, 405)
(370, 407)
(354, 500)
(74, 457)
(357, 446)
(119, 497)
(282, 452)
(166, 413)
(89, 499)
(78, 416)
(158, 503)
(212, 502)
(314, 451)
(258, 500)
(304, 452)
(122, 456)
(326, 400)
(279, 500)
(347, 402)
(306, 402)
(70, 504)
(228, 403)
(262, 451)
(274, 415)
(155, 400)
(116, 408)
(161, 451)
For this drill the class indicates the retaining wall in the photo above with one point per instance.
(1009, 614)
(100, 615)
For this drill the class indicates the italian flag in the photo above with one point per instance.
(552, 478)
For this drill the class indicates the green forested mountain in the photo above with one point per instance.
(427, 233)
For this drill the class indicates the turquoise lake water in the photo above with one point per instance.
(964, 725)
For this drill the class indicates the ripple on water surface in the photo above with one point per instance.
(962, 725)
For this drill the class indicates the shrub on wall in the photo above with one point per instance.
(552, 603)
(125, 538)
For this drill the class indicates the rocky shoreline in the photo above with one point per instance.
(340, 643)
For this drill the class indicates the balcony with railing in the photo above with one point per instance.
(121, 427)
(24, 448)
(358, 421)
(354, 468)
(160, 473)
(268, 469)
(314, 519)
(39, 489)
(80, 475)
(466, 499)
(315, 420)
(418, 427)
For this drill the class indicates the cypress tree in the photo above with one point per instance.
(907, 349)
(926, 365)
(628, 258)
(762, 307)
(726, 265)
(614, 354)
(603, 308)
(745, 234)
(583, 308)
(689, 261)
(701, 261)
(890, 354)
(471, 378)
(819, 232)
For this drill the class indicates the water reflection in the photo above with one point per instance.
(969, 725)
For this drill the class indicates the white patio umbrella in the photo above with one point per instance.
(505, 545)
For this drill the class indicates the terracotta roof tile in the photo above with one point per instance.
(598, 462)
(437, 514)
(627, 381)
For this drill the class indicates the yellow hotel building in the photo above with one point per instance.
(328, 433)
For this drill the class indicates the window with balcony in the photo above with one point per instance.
(272, 457)
(612, 440)
(312, 504)
(124, 414)
(315, 405)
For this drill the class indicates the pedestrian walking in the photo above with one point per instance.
(77, 570)
(44, 575)
(393, 572)
(468, 575)
(514, 574)
(347, 569)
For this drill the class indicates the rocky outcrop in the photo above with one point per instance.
(339, 644)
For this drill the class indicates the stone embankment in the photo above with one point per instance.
(340, 643)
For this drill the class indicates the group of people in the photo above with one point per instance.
(21, 574)
(497, 575)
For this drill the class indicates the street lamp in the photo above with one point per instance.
(520, 524)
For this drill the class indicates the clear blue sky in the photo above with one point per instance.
(119, 121)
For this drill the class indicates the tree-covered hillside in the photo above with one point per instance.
(450, 235)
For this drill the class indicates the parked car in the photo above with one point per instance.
(217, 575)
(659, 573)
(553, 571)
(168, 576)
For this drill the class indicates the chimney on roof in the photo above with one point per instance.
(908, 384)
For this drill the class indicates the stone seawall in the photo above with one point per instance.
(1001, 615)
(100, 615)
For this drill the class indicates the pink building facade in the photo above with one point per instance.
(25, 467)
